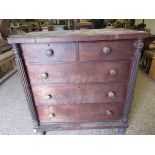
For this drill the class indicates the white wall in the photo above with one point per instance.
(150, 23)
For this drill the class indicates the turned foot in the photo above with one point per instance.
(42, 132)
(39, 132)
(121, 131)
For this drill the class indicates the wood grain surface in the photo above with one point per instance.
(36, 53)
(80, 113)
(77, 35)
(79, 72)
(78, 93)
(94, 50)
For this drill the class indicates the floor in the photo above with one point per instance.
(15, 118)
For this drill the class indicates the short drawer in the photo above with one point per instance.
(100, 112)
(49, 53)
(105, 50)
(79, 72)
(79, 93)
(61, 113)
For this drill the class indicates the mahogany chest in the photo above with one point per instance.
(78, 79)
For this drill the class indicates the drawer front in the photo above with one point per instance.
(79, 93)
(80, 113)
(55, 94)
(79, 72)
(49, 53)
(100, 112)
(105, 50)
(61, 113)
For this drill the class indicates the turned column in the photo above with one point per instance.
(138, 47)
(25, 82)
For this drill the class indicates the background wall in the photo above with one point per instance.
(150, 23)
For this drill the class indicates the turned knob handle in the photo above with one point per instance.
(44, 75)
(109, 112)
(113, 71)
(111, 94)
(49, 96)
(49, 52)
(106, 50)
(52, 115)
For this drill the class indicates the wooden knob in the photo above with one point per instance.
(113, 72)
(109, 112)
(111, 94)
(106, 50)
(49, 96)
(52, 115)
(49, 52)
(44, 75)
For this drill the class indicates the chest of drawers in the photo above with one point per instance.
(81, 79)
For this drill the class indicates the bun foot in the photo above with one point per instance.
(39, 132)
(121, 131)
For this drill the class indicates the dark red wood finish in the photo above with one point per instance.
(37, 53)
(78, 93)
(79, 79)
(79, 72)
(80, 113)
(94, 50)
(81, 126)
(77, 35)
(99, 112)
(61, 113)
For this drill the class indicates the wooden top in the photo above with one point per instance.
(77, 35)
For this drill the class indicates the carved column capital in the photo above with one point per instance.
(16, 50)
(139, 44)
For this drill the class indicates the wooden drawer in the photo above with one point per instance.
(49, 53)
(61, 113)
(105, 50)
(79, 93)
(79, 72)
(80, 113)
(100, 112)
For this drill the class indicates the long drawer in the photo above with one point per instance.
(78, 93)
(79, 72)
(80, 113)
(105, 50)
(49, 53)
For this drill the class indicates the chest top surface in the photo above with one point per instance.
(77, 35)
